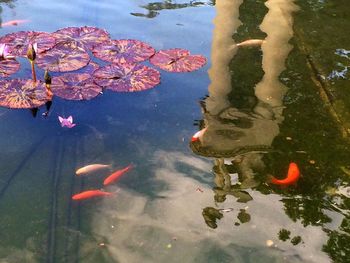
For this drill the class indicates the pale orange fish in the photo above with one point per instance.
(114, 176)
(250, 43)
(91, 168)
(14, 22)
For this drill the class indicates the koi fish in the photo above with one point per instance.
(14, 22)
(114, 176)
(198, 135)
(250, 43)
(91, 168)
(293, 176)
(89, 194)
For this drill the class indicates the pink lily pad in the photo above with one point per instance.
(86, 36)
(124, 50)
(8, 67)
(22, 93)
(177, 60)
(63, 57)
(18, 42)
(75, 86)
(127, 77)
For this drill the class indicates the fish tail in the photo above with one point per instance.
(272, 180)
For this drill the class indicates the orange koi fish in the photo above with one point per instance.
(114, 176)
(198, 135)
(250, 43)
(89, 194)
(14, 22)
(91, 168)
(292, 176)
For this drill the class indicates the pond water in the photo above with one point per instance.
(186, 200)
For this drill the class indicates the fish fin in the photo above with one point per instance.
(271, 179)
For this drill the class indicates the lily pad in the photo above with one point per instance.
(126, 77)
(75, 86)
(18, 42)
(63, 57)
(177, 60)
(85, 37)
(8, 67)
(124, 50)
(22, 93)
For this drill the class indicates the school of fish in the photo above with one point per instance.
(91, 168)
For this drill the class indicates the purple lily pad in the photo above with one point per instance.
(177, 60)
(63, 57)
(22, 93)
(8, 67)
(86, 36)
(18, 42)
(75, 86)
(127, 77)
(124, 50)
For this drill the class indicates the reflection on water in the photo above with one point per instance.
(154, 7)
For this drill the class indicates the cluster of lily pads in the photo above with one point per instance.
(68, 52)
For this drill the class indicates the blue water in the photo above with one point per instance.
(158, 213)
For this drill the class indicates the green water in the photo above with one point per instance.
(261, 107)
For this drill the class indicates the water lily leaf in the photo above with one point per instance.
(126, 77)
(63, 57)
(18, 42)
(8, 67)
(89, 68)
(124, 50)
(85, 37)
(75, 86)
(243, 196)
(177, 60)
(22, 93)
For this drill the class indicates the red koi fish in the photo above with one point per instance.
(198, 135)
(89, 194)
(14, 22)
(114, 176)
(293, 176)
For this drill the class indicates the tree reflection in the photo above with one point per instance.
(253, 129)
(154, 8)
(9, 3)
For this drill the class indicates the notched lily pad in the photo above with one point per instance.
(85, 37)
(63, 57)
(124, 50)
(8, 67)
(18, 42)
(177, 60)
(22, 93)
(75, 86)
(126, 77)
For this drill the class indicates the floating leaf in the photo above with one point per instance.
(177, 60)
(126, 77)
(63, 57)
(85, 37)
(8, 67)
(75, 86)
(89, 68)
(18, 42)
(124, 50)
(22, 93)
